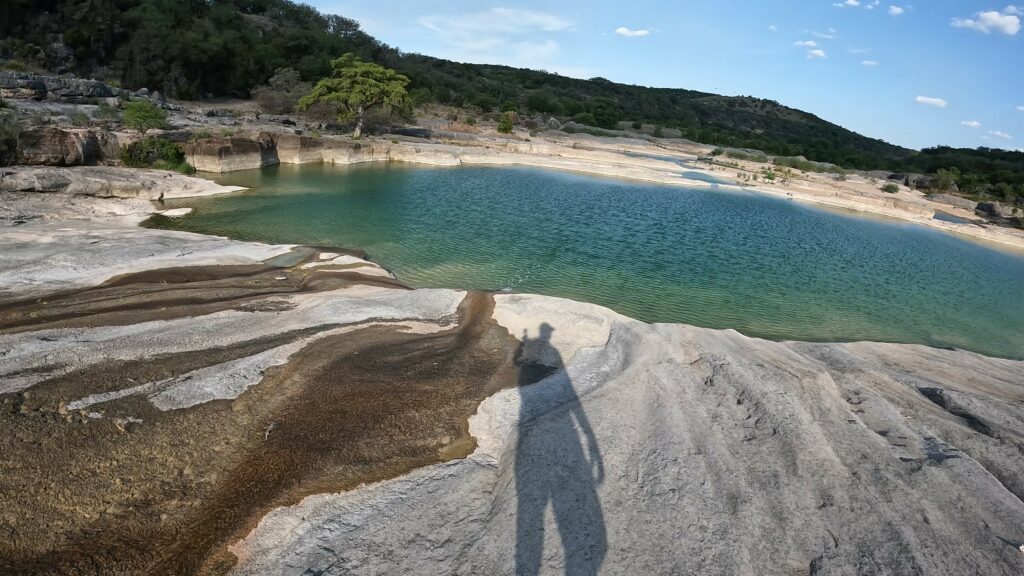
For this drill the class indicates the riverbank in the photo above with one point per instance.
(178, 403)
(664, 162)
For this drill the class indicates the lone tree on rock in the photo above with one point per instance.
(356, 87)
(143, 115)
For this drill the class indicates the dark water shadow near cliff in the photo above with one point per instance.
(555, 466)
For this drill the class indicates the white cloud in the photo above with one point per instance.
(869, 63)
(999, 134)
(832, 34)
(806, 44)
(971, 123)
(816, 54)
(623, 31)
(773, 28)
(853, 3)
(510, 36)
(1020, 108)
(931, 101)
(896, 10)
(1006, 22)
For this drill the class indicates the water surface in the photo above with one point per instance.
(765, 266)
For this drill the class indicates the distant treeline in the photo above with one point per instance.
(198, 48)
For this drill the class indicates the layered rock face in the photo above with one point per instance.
(217, 406)
(50, 146)
(232, 154)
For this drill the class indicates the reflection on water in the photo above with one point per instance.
(764, 266)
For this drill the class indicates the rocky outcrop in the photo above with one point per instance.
(230, 154)
(952, 200)
(61, 88)
(306, 397)
(107, 182)
(999, 212)
(51, 146)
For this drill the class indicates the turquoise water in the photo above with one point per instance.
(767, 267)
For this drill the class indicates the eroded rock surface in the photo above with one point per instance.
(173, 404)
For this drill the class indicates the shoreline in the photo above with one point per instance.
(148, 347)
(634, 160)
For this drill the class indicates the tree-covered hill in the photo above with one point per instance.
(226, 48)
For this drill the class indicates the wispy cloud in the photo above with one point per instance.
(812, 54)
(806, 44)
(1020, 108)
(896, 10)
(511, 36)
(999, 134)
(931, 101)
(971, 123)
(832, 34)
(1005, 22)
(623, 31)
(773, 28)
(869, 63)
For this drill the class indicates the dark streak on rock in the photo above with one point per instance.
(165, 496)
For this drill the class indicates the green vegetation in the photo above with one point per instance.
(890, 188)
(505, 124)
(143, 115)
(357, 87)
(270, 48)
(155, 153)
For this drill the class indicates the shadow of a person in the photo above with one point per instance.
(551, 465)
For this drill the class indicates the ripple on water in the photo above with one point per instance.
(764, 266)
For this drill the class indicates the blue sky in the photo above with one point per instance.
(932, 72)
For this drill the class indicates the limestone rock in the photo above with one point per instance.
(67, 147)
(952, 200)
(244, 152)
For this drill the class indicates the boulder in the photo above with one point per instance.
(142, 92)
(953, 201)
(997, 211)
(554, 124)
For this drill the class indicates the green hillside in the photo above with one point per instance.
(225, 48)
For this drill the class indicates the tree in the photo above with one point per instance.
(505, 125)
(143, 115)
(357, 86)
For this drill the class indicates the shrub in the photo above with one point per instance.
(281, 92)
(585, 118)
(143, 115)
(79, 118)
(718, 152)
(470, 121)
(505, 125)
(155, 153)
(637, 125)
(510, 106)
(890, 188)
(659, 132)
(748, 156)
(107, 113)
